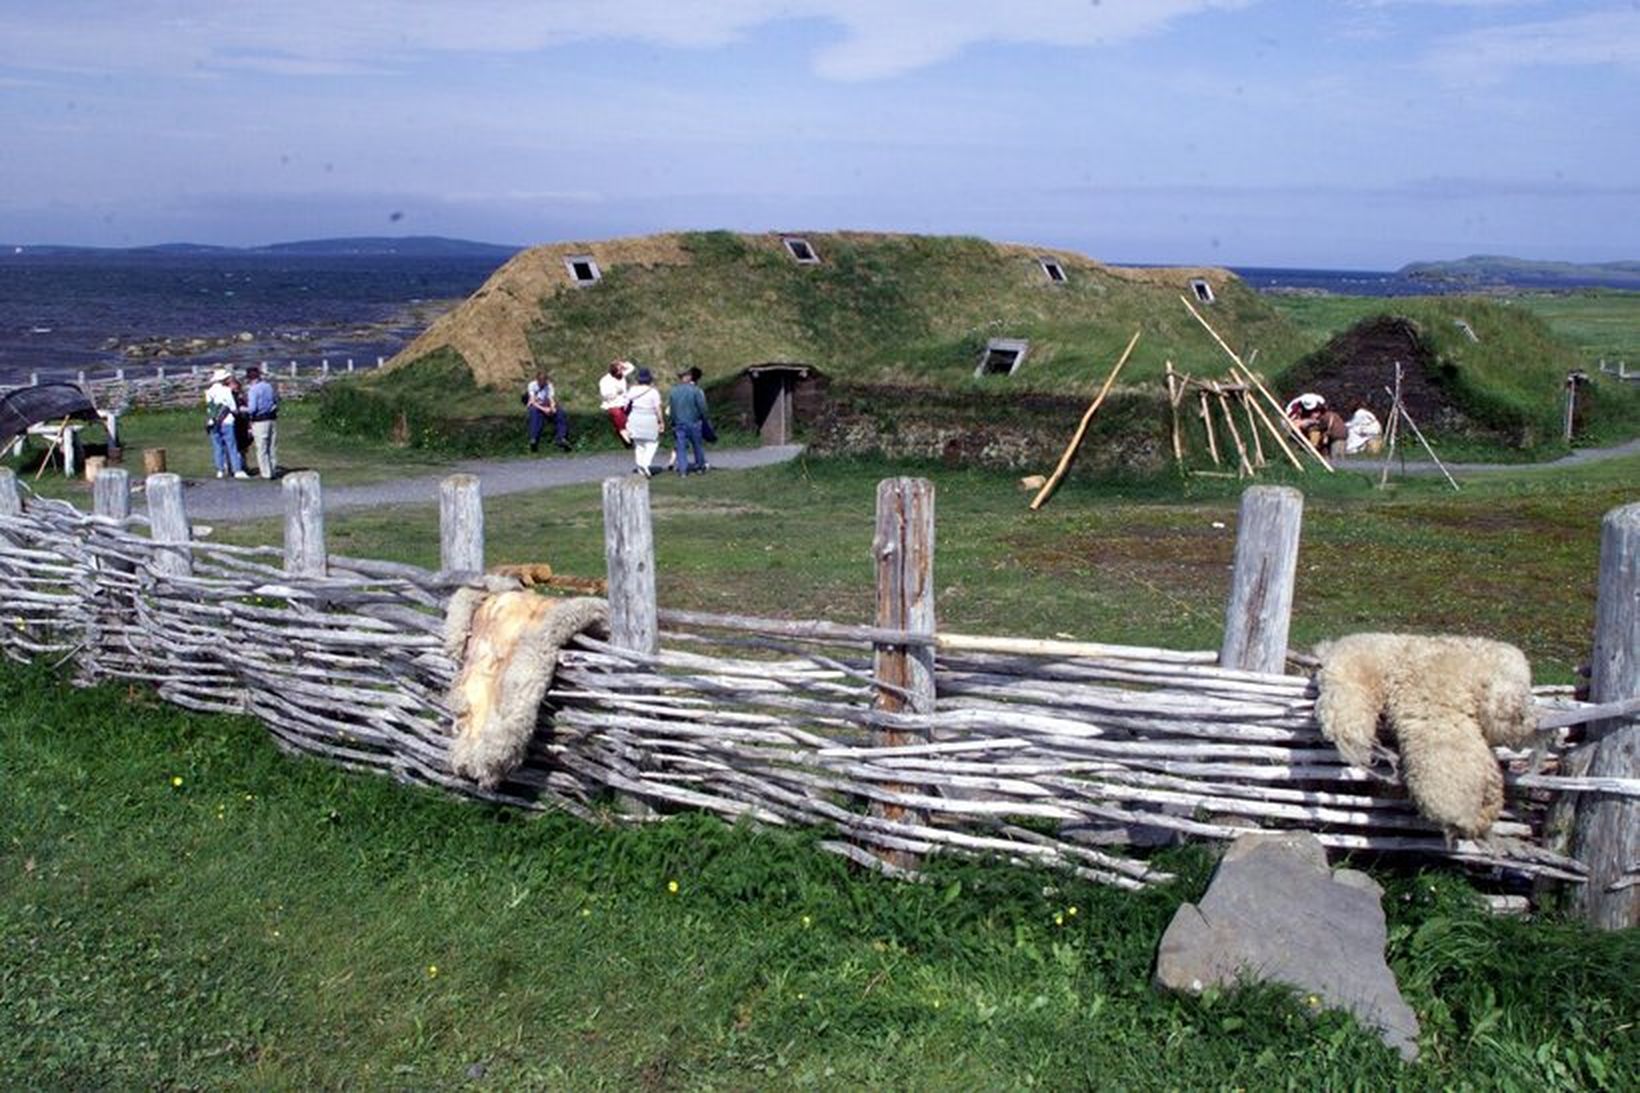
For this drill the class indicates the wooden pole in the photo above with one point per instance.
(1419, 433)
(1251, 380)
(1076, 441)
(1571, 406)
(304, 525)
(1173, 396)
(1252, 428)
(1207, 423)
(1259, 611)
(11, 502)
(1245, 466)
(629, 556)
(1606, 829)
(461, 524)
(903, 549)
(1252, 404)
(168, 523)
(111, 494)
(111, 499)
(1394, 428)
(56, 442)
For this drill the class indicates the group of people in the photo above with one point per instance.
(638, 414)
(1325, 428)
(240, 416)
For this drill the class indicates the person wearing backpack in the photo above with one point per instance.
(543, 403)
(220, 409)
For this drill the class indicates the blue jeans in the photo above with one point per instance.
(688, 436)
(224, 448)
(538, 425)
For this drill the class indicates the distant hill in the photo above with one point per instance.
(1492, 269)
(409, 246)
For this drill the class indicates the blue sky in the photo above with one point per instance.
(1332, 133)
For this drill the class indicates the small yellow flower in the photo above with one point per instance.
(672, 886)
(432, 971)
(1058, 918)
(586, 912)
(1071, 912)
(176, 781)
(807, 922)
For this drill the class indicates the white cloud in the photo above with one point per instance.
(1491, 54)
(879, 38)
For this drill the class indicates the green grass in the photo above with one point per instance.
(1512, 557)
(183, 907)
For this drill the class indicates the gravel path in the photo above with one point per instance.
(230, 500)
(1375, 464)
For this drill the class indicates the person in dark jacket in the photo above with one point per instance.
(687, 405)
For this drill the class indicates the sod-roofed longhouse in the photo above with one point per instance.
(906, 310)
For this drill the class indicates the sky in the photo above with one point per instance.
(1343, 134)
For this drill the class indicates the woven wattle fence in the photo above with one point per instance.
(901, 741)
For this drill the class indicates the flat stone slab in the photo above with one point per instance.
(1275, 913)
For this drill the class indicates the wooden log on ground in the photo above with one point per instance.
(1606, 830)
(1261, 583)
(304, 524)
(168, 524)
(903, 549)
(461, 524)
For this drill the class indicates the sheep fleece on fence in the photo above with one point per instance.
(507, 647)
(1446, 701)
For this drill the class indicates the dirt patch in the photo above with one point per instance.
(1358, 364)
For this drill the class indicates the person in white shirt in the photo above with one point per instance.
(645, 419)
(1364, 431)
(220, 408)
(612, 399)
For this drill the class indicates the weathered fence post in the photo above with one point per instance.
(111, 493)
(168, 523)
(903, 549)
(629, 560)
(461, 524)
(304, 525)
(1260, 607)
(111, 499)
(11, 502)
(629, 556)
(1606, 830)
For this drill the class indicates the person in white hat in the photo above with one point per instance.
(220, 408)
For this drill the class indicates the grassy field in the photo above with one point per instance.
(1512, 556)
(182, 907)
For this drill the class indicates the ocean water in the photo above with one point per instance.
(61, 313)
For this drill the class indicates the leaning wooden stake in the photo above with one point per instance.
(1264, 418)
(1419, 433)
(1260, 607)
(1174, 394)
(904, 552)
(1394, 428)
(1606, 830)
(1207, 423)
(1245, 466)
(1076, 441)
(1252, 429)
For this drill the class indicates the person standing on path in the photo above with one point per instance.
(645, 418)
(262, 407)
(220, 410)
(543, 403)
(687, 403)
(612, 397)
